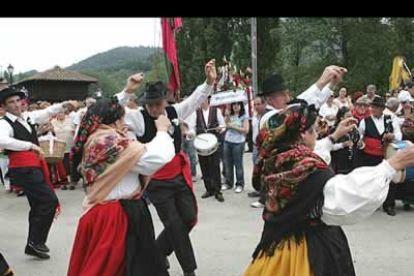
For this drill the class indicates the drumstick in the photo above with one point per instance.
(214, 128)
(202, 139)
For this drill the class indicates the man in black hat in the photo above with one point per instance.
(377, 130)
(277, 97)
(18, 137)
(170, 189)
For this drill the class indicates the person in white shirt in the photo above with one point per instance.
(209, 119)
(27, 166)
(171, 187)
(376, 131)
(64, 129)
(328, 111)
(306, 204)
(371, 93)
(260, 109)
(115, 214)
(277, 96)
(343, 100)
(4, 161)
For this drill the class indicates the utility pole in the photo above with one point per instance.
(254, 54)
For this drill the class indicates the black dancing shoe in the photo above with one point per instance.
(219, 197)
(207, 194)
(390, 211)
(253, 194)
(43, 248)
(33, 250)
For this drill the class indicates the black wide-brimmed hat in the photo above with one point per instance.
(274, 83)
(10, 92)
(155, 91)
(378, 101)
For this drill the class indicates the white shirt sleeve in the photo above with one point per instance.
(353, 197)
(323, 148)
(220, 118)
(159, 152)
(8, 142)
(396, 128)
(123, 98)
(135, 120)
(361, 128)
(323, 111)
(337, 146)
(193, 102)
(43, 116)
(314, 96)
(191, 122)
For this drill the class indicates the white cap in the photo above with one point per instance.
(405, 96)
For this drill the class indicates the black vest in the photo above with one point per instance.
(21, 133)
(151, 129)
(202, 126)
(372, 131)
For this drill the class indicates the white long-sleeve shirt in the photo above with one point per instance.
(36, 117)
(379, 124)
(158, 152)
(192, 119)
(312, 96)
(348, 198)
(352, 197)
(135, 119)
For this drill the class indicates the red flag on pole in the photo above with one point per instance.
(169, 26)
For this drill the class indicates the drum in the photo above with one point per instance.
(206, 144)
(406, 174)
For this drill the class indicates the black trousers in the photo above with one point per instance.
(142, 256)
(249, 137)
(42, 200)
(391, 196)
(371, 160)
(177, 210)
(210, 169)
(66, 163)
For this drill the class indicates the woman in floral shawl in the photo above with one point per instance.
(115, 236)
(306, 204)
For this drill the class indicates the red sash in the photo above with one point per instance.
(24, 159)
(373, 147)
(179, 164)
(174, 168)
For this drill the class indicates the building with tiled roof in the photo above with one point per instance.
(57, 85)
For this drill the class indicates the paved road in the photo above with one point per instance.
(224, 238)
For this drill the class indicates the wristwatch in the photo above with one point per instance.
(332, 139)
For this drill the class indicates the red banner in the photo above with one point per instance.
(169, 27)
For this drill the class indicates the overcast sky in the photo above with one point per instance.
(42, 43)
